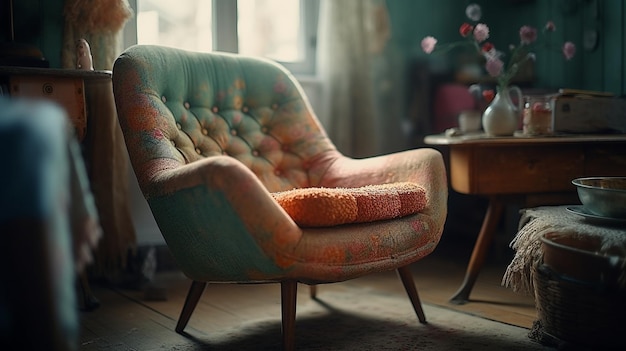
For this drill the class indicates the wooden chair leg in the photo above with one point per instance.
(193, 296)
(409, 286)
(313, 291)
(288, 291)
(479, 253)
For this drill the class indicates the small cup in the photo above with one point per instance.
(537, 118)
(470, 121)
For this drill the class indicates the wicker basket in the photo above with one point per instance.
(574, 306)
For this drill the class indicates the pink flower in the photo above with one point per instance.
(488, 95)
(497, 65)
(487, 47)
(466, 29)
(494, 66)
(490, 52)
(481, 32)
(527, 35)
(569, 50)
(473, 12)
(428, 44)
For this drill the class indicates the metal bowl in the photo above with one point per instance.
(603, 196)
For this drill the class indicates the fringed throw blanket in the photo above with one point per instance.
(534, 223)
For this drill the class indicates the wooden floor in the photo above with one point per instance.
(489, 299)
(437, 277)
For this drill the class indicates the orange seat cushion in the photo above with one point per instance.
(322, 207)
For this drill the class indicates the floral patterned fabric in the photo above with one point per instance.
(212, 135)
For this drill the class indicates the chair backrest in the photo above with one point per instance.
(177, 107)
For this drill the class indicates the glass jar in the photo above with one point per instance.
(537, 118)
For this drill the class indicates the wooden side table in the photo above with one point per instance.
(87, 96)
(537, 170)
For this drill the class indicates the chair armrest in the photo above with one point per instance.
(423, 166)
(222, 174)
(251, 202)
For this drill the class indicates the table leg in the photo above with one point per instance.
(487, 231)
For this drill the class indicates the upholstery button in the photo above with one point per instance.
(264, 130)
(255, 152)
(198, 151)
(205, 131)
(233, 132)
(214, 109)
(178, 126)
(277, 172)
(186, 105)
(163, 98)
(244, 109)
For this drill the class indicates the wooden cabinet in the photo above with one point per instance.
(68, 92)
(63, 86)
(87, 97)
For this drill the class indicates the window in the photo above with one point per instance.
(282, 30)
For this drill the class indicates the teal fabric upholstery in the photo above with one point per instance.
(212, 135)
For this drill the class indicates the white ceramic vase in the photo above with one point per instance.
(501, 117)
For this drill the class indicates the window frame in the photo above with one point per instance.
(225, 32)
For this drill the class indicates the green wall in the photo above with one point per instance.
(600, 67)
(40, 22)
(595, 67)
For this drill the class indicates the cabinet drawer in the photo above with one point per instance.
(69, 92)
(530, 169)
(607, 159)
(504, 169)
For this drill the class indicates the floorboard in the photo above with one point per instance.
(112, 326)
(226, 308)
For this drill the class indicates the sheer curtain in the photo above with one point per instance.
(100, 22)
(362, 78)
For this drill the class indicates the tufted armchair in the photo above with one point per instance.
(212, 136)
